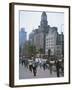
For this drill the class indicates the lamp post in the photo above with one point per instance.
(62, 51)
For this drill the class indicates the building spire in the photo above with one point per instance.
(43, 19)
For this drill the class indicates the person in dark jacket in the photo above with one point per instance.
(34, 69)
(30, 67)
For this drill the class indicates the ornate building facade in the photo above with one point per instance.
(46, 37)
(37, 37)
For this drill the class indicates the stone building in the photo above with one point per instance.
(50, 42)
(47, 37)
(60, 44)
(37, 37)
(31, 38)
(54, 42)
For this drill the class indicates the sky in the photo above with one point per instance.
(31, 20)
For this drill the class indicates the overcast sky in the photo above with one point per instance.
(31, 20)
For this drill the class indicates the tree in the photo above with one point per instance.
(40, 50)
(32, 50)
(29, 50)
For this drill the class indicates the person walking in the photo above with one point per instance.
(44, 66)
(50, 67)
(30, 67)
(34, 69)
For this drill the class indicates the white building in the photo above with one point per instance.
(50, 42)
(54, 42)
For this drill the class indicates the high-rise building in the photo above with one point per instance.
(22, 37)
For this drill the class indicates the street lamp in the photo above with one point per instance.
(62, 39)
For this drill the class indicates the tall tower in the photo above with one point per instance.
(22, 37)
(44, 21)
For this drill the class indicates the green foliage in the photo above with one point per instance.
(29, 50)
(40, 50)
(32, 50)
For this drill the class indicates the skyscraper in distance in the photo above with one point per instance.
(22, 37)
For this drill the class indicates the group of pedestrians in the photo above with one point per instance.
(25, 62)
(32, 66)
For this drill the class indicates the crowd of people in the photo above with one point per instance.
(34, 63)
